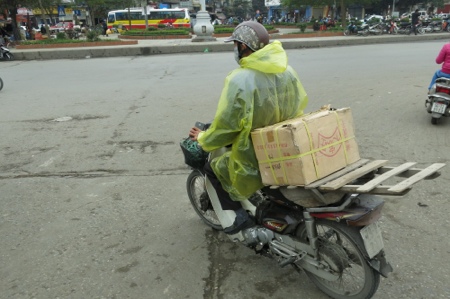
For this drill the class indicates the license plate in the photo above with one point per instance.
(372, 238)
(438, 108)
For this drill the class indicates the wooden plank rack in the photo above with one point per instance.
(370, 176)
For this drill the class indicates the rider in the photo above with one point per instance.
(264, 90)
(415, 21)
(444, 59)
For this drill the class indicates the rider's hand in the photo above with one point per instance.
(193, 133)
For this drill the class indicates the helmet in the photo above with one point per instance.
(251, 33)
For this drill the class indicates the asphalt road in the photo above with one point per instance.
(92, 181)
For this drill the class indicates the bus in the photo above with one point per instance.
(176, 17)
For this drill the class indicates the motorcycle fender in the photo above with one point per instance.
(364, 210)
(381, 265)
(436, 115)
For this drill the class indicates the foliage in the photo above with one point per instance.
(242, 8)
(223, 29)
(230, 29)
(61, 35)
(374, 21)
(302, 26)
(140, 32)
(99, 8)
(92, 36)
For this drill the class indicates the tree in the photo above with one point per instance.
(99, 8)
(11, 6)
(430, 5)
(241, 8)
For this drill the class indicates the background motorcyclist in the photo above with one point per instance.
(444, 59)
(263, 91)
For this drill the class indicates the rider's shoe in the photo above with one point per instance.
(242, 221)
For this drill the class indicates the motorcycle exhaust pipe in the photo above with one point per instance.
(447, 111)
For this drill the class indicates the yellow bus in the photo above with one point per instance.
(174, 17)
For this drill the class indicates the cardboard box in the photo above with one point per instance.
(303, 150)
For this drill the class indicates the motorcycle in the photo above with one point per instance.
(333, 235)
(390, 27)
(354, 29)
(433, 26)
(438, 102)
(445, 26)
(375, 29)
(406, 28)
(5, 53)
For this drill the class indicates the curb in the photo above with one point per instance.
(158, 47)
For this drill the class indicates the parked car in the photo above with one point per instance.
(61, 26)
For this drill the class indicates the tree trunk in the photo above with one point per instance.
(16, 31)
(343, 15)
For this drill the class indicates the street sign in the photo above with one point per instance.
(61, 11)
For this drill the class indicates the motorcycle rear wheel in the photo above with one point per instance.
(199, 199)
(365, 32)
(1, 84)
(434, 120)
(342, 248)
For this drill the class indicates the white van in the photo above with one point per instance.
(423, 14)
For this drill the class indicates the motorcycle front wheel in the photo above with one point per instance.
(8, 56)
(199, 198)
(341, 248)
(346, 32)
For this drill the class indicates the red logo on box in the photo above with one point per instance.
(326, 141)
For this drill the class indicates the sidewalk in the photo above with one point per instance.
(176, 46)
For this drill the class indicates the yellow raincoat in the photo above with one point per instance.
(262, 92)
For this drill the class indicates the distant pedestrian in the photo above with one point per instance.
(105, 27)
(43, 30)
(415, 21)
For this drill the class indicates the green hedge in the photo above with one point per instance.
(152, 32)
(223, 29)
